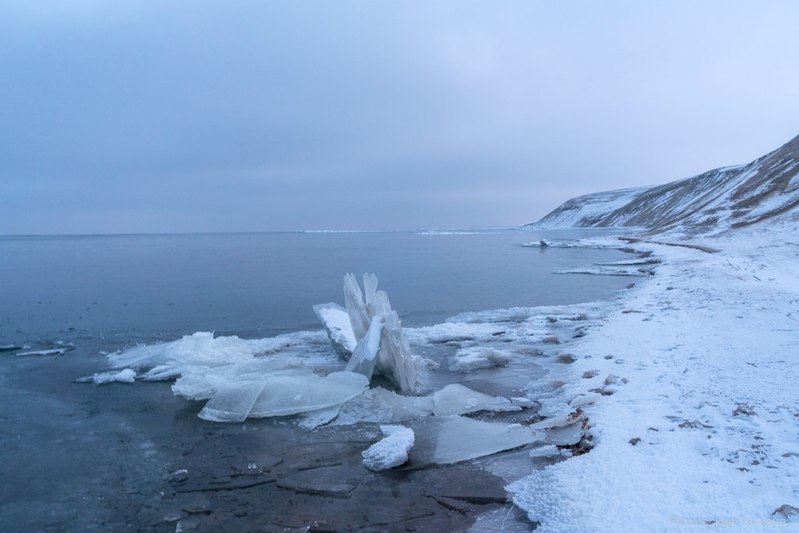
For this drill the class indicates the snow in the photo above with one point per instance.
(391, 451)
(582, 210)
(702, 427)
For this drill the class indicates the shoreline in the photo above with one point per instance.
(703, 434)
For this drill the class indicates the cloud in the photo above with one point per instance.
(258, 116)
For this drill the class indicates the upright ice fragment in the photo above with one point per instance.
(356, 308)
(394, 358)
(338, 327)
(381, 346)
(364, 357)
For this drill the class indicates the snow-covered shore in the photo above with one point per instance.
(705, 432)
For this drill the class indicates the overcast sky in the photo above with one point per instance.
(138, 116)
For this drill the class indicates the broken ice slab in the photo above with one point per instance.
(391, 451)
(232, 401)
(451, 439)
(379, 405)
(364, 357)
(292, 394)
(338, 328)
(128, 375)
(455, 399)
(394, 358)
(193, 387)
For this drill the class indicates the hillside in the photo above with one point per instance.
(710, 203)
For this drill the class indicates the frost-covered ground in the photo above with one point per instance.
(704, 434)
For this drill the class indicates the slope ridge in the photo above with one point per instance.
(712, 202)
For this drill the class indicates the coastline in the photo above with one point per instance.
(703, 433)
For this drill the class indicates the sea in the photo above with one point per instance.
(82, 457)
(143, 287)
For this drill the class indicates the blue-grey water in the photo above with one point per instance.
(161, 286)
(79, 457)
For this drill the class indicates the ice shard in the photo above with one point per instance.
(364, 357)
(356, 307)
(455, 399)
(394, 359)
(338, 327)
(451, 439)
(291, 394)
(231, 401)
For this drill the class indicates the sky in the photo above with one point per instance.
(193, 116)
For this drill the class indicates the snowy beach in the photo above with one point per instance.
(701, 429)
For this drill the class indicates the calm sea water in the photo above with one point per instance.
(162, 286)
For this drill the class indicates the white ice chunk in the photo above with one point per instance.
(338, 327)
(127, 375)
(390, 452)
(231, 401)
(451, 439)
(364, 357)
(356, 308)
(455, 399)
(468, 359)
(293, 394)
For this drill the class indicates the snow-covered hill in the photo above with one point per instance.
(710, 203)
